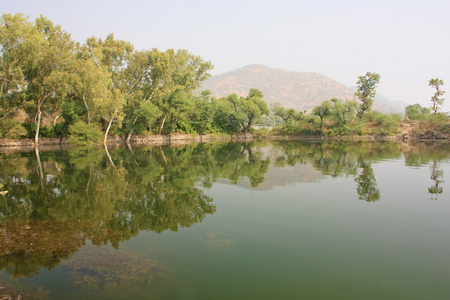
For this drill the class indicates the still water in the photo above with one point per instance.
(263, 220)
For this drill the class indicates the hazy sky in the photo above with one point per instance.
(406, 41)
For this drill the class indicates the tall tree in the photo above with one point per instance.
(35, 64)
(93, 80)
(186, 73)
(322, 111)
(110, 55)
(366, 91)
(15, 39)
(436, 100)
(204, 111)
(248, 109)
(47, 58)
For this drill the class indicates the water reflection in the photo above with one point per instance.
(437, 175)
(58, 201)
(366, 183)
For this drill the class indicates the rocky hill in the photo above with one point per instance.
(298, 90)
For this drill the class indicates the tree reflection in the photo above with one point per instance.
(437, 175)
(57, 201)
(366, 183)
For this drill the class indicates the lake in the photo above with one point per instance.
(259, 220)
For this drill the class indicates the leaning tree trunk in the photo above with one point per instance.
(38, 127)
(162, 123)
(109, 127)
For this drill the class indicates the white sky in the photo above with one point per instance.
(406, 41)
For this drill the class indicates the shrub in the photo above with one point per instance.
(11, 129)
(83, 134)
(417, 112)
(384, 124)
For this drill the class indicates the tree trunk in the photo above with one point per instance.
(162, 123)
(127, 140)
(109, 127)
(38, 127)
(131, 131)
(87, 109)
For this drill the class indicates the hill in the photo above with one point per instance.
(298, 90)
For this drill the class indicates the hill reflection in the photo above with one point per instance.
(57, 201)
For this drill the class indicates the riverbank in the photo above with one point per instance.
(407, 131)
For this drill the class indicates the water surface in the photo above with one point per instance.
(265, 220)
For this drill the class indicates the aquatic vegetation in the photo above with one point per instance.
(104, 267)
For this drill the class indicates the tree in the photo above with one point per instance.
(365, 92)
(36, 66)
(204, 111)
(15, 40)
(322, 111)
(93, 81)
(226, 116)
(343, 111)
(111, 109)
(417, 112)
(287, 114)
(436, 100)
(248, 109)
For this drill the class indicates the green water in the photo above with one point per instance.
(265, 220)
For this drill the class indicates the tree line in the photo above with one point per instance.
(52, 86)
(105, 85)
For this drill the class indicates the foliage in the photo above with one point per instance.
(11, 129)
(246, 111)
(83, 134)
(436, 100)
(44, 72)
(383, 124)
(365, 92)
(417, 112)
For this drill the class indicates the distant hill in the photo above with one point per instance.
(298, 90)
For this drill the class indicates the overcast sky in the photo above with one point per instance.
(406, 41)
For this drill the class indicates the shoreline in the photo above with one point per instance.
(48, 144)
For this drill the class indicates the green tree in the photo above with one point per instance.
(226, 117)
(436, 100)
(47, 70)
(417, 112)
(248, 110)
(322, 111)
(186, 73)
(36, 60)
(111, 110)
(288, 115)
(93, 81)
(366, 91)
(343, 111)
(205, 110)
(15, 41)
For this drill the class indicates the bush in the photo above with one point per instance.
(261, 132)
(349, 129)
(82, 134)
(11, 129)
(384, 124)
(417, 112)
